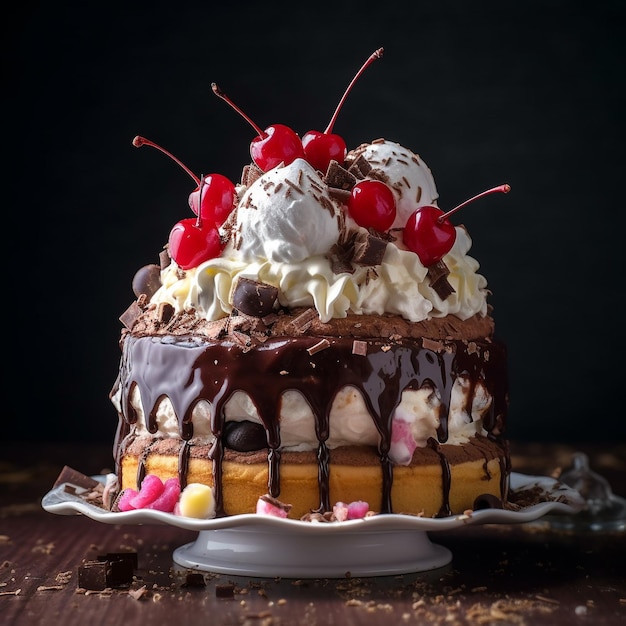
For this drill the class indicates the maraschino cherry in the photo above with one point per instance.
(196, 239)
(275, 145)
(372, 205)
(430, 234)
(322, 148)
(218, 198)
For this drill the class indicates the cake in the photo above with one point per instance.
(316, 334)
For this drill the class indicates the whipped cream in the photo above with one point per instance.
(286, 223)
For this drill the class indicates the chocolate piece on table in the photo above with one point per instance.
(194, 579)
(254, 298)
(226, 590)
(129, 557)
(74, 477)
(368, 249)
(92, 575)
(147, 280)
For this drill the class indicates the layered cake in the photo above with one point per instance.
(317, 333)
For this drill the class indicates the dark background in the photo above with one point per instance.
(530, 93)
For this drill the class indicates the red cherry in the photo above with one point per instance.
(218, 197)
(372, 205)
(430, 234)
(192, 242)
(275, 145)
(322, 148)
(427, 237)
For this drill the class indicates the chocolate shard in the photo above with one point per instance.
(342, 195)
(130, 315)
(301, 323)
(338, 177)
(368, 249)
(359, 347)
(165, 312)
(438, 276)
(76, 478)
(250, 174)
(254, 298)
(340, 258)
(360, 167)
(165, 259)
(147, 280)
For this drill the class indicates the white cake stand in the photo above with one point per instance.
(258, 545)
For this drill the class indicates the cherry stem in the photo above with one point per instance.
(139, 141)
(199, 220)
(501, 188)
(220, 94)
(375, 55)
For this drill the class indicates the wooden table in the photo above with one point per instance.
(500, 574)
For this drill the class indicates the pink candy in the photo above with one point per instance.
(402, 442)
(154, 494)
(354, 510)
(272, 507)
(168, 498)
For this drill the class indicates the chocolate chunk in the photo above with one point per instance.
(130, 315)
(165, 312)
(226, 590)
(250, 174)
(338, 177)
(128, 557)
(303, 322)
(340, 257)
(438, 276)
(76, 478)
(93, 575)
(244, 436)
(368, 249)
(164, 258)
(147, 280)
(194, 579)
(254, 298)
(360, 167)
(322, 344)
(359, 347)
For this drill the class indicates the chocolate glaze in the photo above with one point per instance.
(188, 369)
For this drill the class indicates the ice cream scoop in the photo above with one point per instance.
(404, 171)
(286, 216)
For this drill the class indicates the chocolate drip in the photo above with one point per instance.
(190, 369)
(183, 463)
(446, 478)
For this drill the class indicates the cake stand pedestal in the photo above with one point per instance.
(259, 551)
